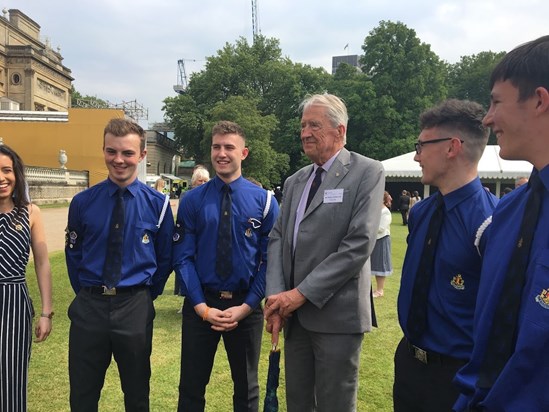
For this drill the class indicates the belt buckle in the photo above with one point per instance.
(109, 292)
(225, 294)
(420, 355)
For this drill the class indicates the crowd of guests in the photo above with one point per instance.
(473, 301)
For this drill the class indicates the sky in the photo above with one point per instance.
(125, 50)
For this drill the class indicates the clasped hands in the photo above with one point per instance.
(280, 307)
(223, 320)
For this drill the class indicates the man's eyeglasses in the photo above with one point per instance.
(419, 144)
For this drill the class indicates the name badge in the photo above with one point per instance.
(333, 196)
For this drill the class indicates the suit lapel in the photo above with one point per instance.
(337, 172)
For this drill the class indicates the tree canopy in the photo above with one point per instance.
(259, 88)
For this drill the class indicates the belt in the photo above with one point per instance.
(225, 294)
(103, 290)
(431, 358)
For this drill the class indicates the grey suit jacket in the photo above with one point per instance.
(331, 262)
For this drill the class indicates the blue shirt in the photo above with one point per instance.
(147, 248)
(195, 251)
(456, 274)
(523, 382)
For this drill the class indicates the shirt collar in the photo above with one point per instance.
(543, 175)
(218, 183)
(113, 187)
(457, 196)
(326, 166)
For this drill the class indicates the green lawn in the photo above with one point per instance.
(48, 376)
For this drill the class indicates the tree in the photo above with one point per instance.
(187, 122)
(408, 78)
(469, 78)
(77, 100)
(256, 72)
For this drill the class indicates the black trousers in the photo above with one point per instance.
(106, 326)
(199, 345)
(404, 213)
(421, 387)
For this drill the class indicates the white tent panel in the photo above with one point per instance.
(491, 166)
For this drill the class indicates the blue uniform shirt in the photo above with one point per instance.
(523, 382)
(195, 251)
(147, 248)
(457, 265)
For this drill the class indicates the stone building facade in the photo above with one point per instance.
(32, 74)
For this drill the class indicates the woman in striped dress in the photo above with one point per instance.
(21, 227)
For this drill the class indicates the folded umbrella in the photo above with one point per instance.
(273, 375)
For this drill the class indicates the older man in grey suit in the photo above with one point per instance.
(318, 276)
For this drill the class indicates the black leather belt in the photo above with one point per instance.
(103, 290)
(225, 294)
(431, 358)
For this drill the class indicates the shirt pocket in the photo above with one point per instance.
(143, 239)
(249, 229)
(536, 307)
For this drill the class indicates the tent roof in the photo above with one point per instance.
(491, 166)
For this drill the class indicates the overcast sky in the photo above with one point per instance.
(123, 50)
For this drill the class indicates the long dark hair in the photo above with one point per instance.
(20, 192)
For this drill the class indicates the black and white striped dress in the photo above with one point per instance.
(15, 310)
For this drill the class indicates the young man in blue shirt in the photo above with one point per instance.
(113, 312)
(223, 293)
(448, 149)
(519, 117)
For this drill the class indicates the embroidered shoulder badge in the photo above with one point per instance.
(145, 239)
(457, 282)
(543, 299)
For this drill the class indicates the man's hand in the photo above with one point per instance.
(274, 324)
(284, 303)
(236, 313)
(220, 320)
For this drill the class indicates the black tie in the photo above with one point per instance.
(115, 243)
(224, 256)
(314, 186)
(417, 318)
(501, 341)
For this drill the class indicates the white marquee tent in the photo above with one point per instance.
(491, 169)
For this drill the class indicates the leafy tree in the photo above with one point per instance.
(187, 122)
(257, 72)
(469, 78)
(78, 100)
(408, 78)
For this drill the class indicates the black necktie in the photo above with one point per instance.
(224, 256)
(314, 186)
(112, 270)
(417, 318)
(501, 341)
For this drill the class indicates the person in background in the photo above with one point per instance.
(118, 252)
(510, 360)
(278, 194)
(221, 260)
(318, 276)
(506, 191)
(381, 256)
(415, 198)
(21, 229)
(160, 185)
(200, 176)
(404, 206)
(519, 181)
(441, 269)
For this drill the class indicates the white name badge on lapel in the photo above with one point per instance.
(333, 196)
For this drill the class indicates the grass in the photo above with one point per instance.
(48, 375)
